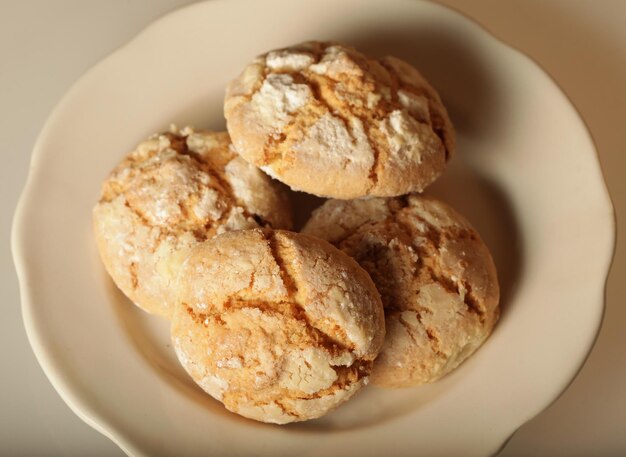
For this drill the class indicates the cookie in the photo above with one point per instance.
(330, 121)
(175, 190)
(436, 277)
(278, 326)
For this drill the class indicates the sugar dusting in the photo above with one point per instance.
(279, 98)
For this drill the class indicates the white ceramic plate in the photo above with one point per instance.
(526, 175)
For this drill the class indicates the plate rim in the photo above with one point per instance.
(19, 238)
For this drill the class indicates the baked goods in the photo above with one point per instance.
(278, 326)
(435, 275)
(327, 120)
(175, 190)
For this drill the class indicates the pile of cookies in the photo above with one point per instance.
(382, 283)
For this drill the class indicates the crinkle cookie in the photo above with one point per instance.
(175, 190)
(278, 326)
(328, 120)
(435, 275)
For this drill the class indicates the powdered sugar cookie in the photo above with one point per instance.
(436, 277)
(278, 326)
(174, 191)
(327, 120)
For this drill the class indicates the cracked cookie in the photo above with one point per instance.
(436, 277)
(325, 119)
(278, 326)
(173, 191)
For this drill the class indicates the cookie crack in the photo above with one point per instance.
(161, 234)
(436, 271)
(288, 411)
(373, 173)
(315, 86)
(138, 213)
(346, 375)
(472, 303)
(223, 187)
(278, 308)
(432, 337)
(292, 290)
(352, 230)
(287, 279)
(272, 152)
(134, 280)
(203, 230)
(433, 341)
(437, 122)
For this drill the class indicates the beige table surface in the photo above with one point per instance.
(46, 45)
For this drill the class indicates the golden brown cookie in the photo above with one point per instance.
(278, 326)
(328, 120)
(175, 190)
(436, 277)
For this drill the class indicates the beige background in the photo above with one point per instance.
(46, 45)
